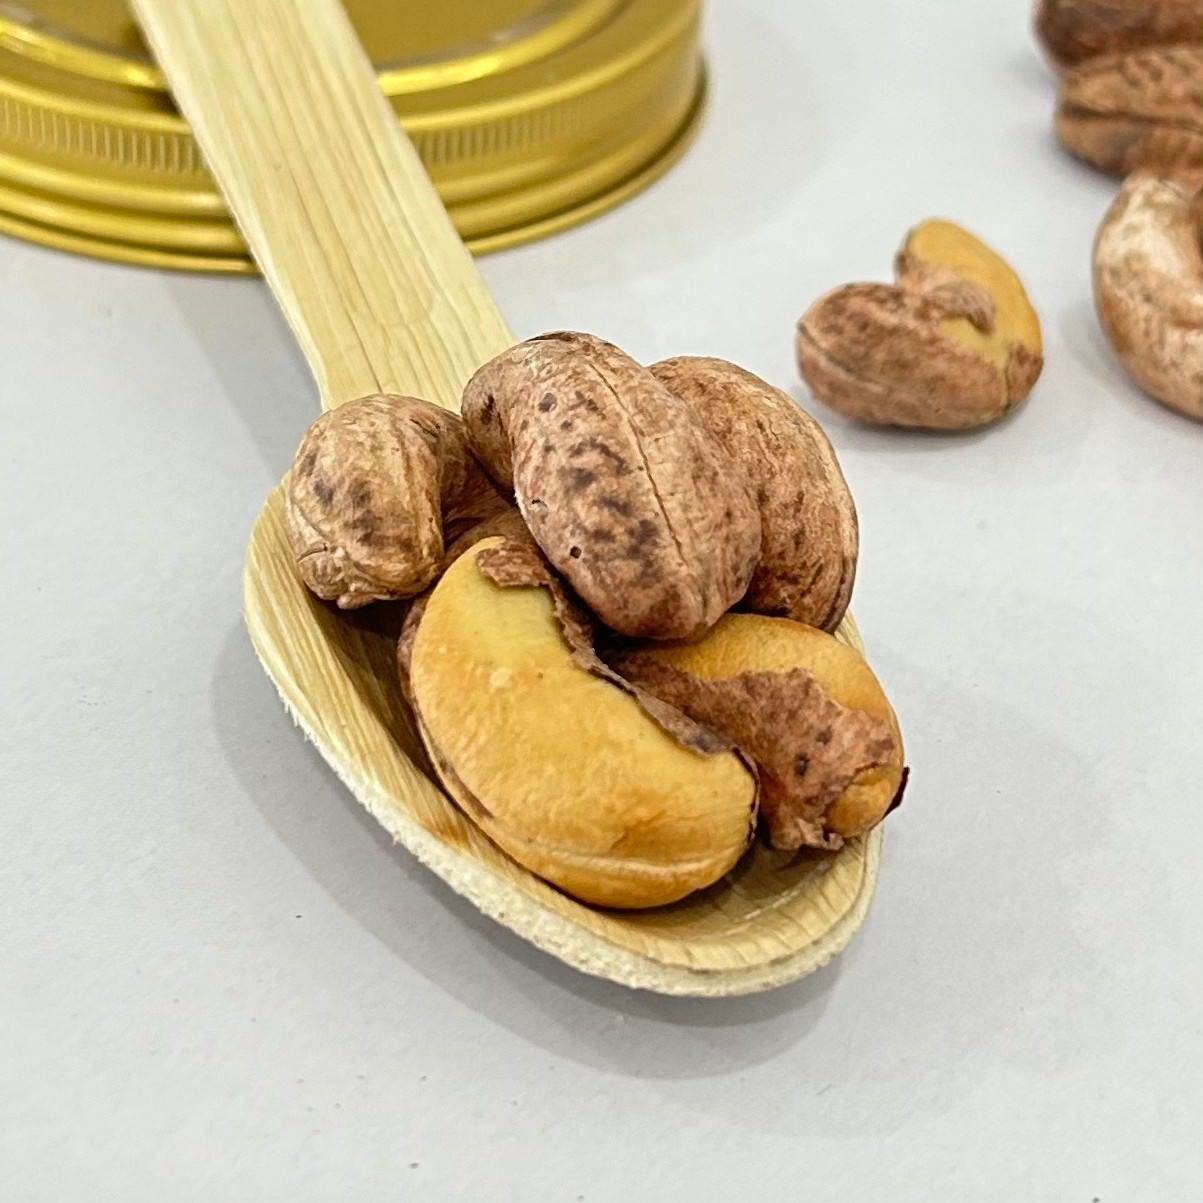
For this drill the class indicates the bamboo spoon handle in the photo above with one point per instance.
(329, 193)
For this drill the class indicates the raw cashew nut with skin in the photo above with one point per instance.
(624, 488)
(1074, 30)
(809, 535)
(953, 344)
(804, 707)
(1142, 109)
(1148, 286)
(376, 486)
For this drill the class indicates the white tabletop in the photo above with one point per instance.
(219, 982)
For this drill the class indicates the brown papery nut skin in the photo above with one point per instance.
(1121, 112)
(1074, 30)
(624, 488)
(1148, 286)
(954, 344)
(876, 354)
(802, 706)
(810, 538)
(375, 487)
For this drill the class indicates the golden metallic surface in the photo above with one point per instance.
(530, 115)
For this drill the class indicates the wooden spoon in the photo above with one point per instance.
(382, 296)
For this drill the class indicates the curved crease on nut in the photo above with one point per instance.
(1148, 285)
(375, 486)
(627, 493)
(1074, 30)
(606, 792)
(954, 343)
(829, 767)
(806, 567)
(1139, 109)
(949, 292)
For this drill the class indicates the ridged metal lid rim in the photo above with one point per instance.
(533, 148)
(140, 255)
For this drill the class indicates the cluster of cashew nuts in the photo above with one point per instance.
(621, 657)
(1131, 103)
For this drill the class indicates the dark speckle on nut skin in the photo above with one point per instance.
(361, 498)
(801, 765)
(823, 737)
(547, 403)
(596, 446)
(323, 491)
(642, 540)
(616, 506)
(575, 552)
(580, 478)
(587, 403)
(364, 524)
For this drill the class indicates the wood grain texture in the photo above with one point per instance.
(330, 196)
(381, 294)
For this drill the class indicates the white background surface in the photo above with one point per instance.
(219, 982)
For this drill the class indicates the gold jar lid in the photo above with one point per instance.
(530, 115)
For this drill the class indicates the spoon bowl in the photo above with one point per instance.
(382, 296)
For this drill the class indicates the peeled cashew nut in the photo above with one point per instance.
(1148, 286)
(802, 706)
(616, 798)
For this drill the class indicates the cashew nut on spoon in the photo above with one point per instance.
(649, 502)
(386, 303)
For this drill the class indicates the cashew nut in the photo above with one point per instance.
(954, 343)
(626, 491)
(376, 486)
(1143, 108)
(1148, 286)
(1073, 30)
(552, 755)
(809, 541)
(803, 706)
